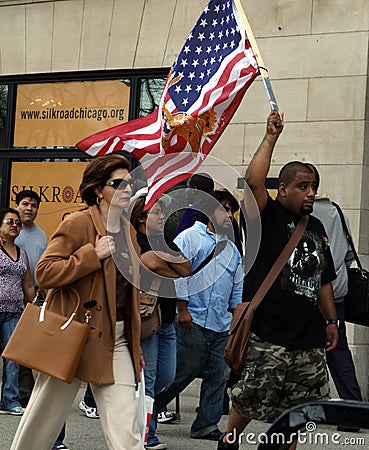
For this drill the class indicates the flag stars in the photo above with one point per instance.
(205, 50)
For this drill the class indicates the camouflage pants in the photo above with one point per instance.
(274, 379)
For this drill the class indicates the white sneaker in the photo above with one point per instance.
(166, 417)
(89, 411)
(16, 411)
(158, 446)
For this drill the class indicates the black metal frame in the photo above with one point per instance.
(9, 153)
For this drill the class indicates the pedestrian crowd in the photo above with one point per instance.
(196, 280)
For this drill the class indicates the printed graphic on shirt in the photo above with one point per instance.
(302, 274)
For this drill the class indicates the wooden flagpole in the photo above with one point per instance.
(258, 57)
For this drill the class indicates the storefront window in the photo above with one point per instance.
(3, 109)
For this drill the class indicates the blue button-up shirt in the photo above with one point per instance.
(217, 286)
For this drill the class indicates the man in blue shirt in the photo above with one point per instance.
(205, 302)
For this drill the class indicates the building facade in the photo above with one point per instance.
(316, 52)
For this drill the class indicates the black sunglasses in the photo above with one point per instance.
(120, 183)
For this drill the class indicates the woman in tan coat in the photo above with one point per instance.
(83, 247)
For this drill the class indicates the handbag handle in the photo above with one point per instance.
(348, 235)
(74, 313)
(278, 264)
(72, 316)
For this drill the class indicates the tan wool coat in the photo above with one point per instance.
(70, 260)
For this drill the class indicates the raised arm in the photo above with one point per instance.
(259, 166)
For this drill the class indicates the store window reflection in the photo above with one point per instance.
(151, 89)
(3, 109)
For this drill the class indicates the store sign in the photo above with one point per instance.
(61, 114)
(57, 184)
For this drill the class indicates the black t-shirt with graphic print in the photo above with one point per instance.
(289, 314)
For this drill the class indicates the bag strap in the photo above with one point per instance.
(218, 247)
(154, 288)
(278, 264)
(348, 235)
(94, 285)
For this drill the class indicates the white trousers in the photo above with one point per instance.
(52, 399)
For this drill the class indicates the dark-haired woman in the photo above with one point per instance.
(159, 350)
(16, 288)
(80, 250)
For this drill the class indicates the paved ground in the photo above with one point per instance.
(86, 434)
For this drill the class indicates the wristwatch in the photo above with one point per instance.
(333, 321)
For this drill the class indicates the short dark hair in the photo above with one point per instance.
(97, 174)
(27, 193)
(288, 172)
(209, 204)
(316, 173)
(201, 181)
(5, 211)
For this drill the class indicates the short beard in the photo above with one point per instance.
(306, 211)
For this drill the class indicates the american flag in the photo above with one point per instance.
(202, 92)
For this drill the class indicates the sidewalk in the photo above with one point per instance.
(86, 434)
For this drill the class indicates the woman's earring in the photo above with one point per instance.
(99, 200)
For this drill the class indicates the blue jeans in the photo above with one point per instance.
(159, 352)
(200, 354)
(60, 438)
(9, 388)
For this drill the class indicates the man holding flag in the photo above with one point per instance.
(202, 92)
